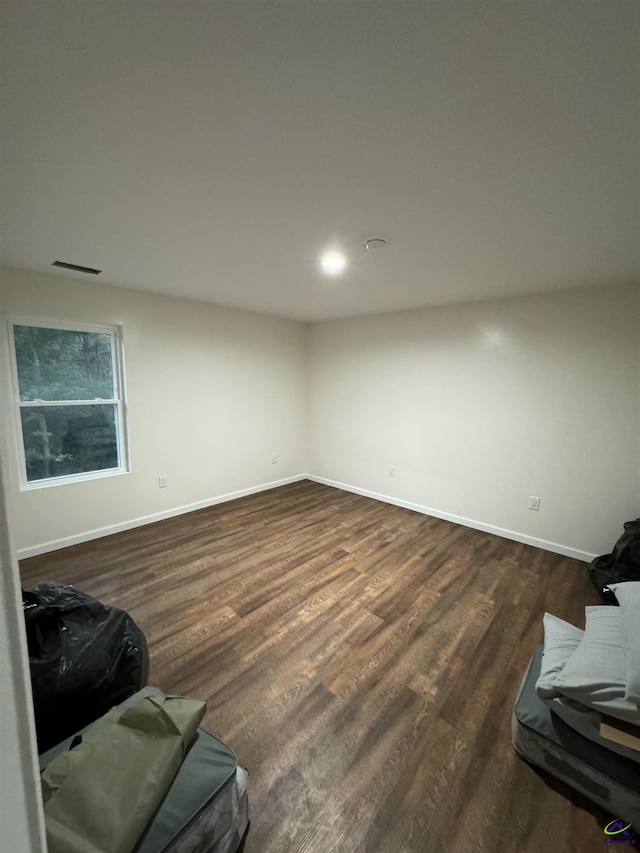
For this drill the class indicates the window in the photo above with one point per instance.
(68, 388)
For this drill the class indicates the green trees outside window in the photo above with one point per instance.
(68, 385)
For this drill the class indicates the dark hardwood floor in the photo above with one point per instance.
(361, 659)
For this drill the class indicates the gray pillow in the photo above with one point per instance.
(596, 674)
(561, 639)
(628, 595)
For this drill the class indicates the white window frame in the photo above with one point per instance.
(119, 400)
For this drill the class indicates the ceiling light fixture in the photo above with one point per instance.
(375, 243)
(333, 262)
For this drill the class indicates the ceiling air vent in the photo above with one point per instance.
(75, 267)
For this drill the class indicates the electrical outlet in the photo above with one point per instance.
(534, 503)
(163, 481)
(391, 471)
(274, 458)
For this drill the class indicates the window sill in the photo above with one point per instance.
(72, 478)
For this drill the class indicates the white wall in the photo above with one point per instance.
(212, 394)
(481, 406)
(478, 407)
(21, 820)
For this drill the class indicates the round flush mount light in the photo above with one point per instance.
(375, 243)
(333, 262)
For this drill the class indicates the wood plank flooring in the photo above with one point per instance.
(362, 660)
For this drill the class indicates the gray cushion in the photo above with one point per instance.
(628, 595)
(587, 722)
(595, 674)
(561, 639)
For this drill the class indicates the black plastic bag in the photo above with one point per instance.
(623, 564)
(84, 656)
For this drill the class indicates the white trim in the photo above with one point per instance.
(118, 401)
(60, 323)
(73, 478)
(87, 536)
(21, 814)
(76, 539)
(555, 547)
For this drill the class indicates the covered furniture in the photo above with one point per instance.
(206, 809)
(543, 739)
(84, 657)
(577, 714)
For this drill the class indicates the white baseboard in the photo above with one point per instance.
(555, 547)
(56, 544)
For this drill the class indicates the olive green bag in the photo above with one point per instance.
(100, 796)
